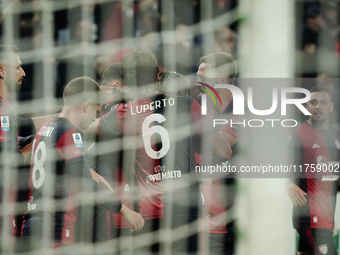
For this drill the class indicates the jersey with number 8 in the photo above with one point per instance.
(55, 151)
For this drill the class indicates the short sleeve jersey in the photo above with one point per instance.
(165, 132)
(318, 148)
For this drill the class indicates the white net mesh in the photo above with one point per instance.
(62, 40)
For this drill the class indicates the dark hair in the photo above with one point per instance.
(172, 82)
(312, 11)
(113, 72)
(321, 88)
(140, 68)
(6, 50)
(224, 60)
(81, 90)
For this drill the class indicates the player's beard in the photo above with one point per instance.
(319, 122)
(13, 88)
(19, 84)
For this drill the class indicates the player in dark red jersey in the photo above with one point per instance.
(116, 93)
(11, 77)
(316, 142)
(162, 132)
(219, 68)
(112, 84)
(107, 162)
(61, 178)
(218, 193)
(173, 83)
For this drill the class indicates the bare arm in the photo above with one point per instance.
(101, 180)
(297, 195)
(134, 218)
(221, 145)
(232, 140)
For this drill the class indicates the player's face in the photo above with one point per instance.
(14, 69)
(202, 74)
(89, 116)
(109, 88)
(19, 73)
(320, 106)
(206, 75)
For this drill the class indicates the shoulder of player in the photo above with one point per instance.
(3, 103)
(60, 126)
(334, 129)
(302, 127)
(67, 126)
(6, 108)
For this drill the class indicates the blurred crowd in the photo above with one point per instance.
(317, 37)
(98, 24)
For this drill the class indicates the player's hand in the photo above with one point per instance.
(297, 195)
(310, 48)
(101, 180)
(135, 219)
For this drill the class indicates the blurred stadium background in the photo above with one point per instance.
(63, 39)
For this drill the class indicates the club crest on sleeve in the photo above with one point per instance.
(77, 140)
(4, 123)
(323, 249)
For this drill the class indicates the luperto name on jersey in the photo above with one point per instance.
(152, 106)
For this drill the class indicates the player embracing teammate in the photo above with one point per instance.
(61, 180)
(162, 133)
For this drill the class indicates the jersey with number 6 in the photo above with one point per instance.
(163, 133)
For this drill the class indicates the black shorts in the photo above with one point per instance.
(186, 245)
(222, 244)
(317, 241)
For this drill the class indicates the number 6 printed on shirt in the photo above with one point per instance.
(148, 131)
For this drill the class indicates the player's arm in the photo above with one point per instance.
(211, 136)
(79, 170)
(101, 180)
(132, 217)
(25, 147)
(106, 126)
(229, 134)
(220, 145)
(29, 126)
(232, 140)
(296, 194)
(135, 219)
